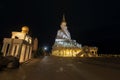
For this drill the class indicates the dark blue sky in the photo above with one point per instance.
(90, 22)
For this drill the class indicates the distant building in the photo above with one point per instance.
(19, 45)
(88, 52)
(64, 46)
(35, 47)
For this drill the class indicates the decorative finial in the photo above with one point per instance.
(25, 29)
(63, 20)
(63, 23)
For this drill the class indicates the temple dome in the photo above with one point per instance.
(25, 29)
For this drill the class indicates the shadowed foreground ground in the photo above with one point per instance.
(57, 68)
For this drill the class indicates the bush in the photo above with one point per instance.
(9, 62)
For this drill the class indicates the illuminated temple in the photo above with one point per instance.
(64, 46)
(19, 45)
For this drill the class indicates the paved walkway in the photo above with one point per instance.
(57, 68)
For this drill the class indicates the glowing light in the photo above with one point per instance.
(45, 48)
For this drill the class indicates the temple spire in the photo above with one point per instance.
(63, 20)
(63, 23)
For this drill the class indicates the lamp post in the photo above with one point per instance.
(45, 49)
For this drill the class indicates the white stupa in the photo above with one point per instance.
(64, 45)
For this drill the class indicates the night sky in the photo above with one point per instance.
(90, 22)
